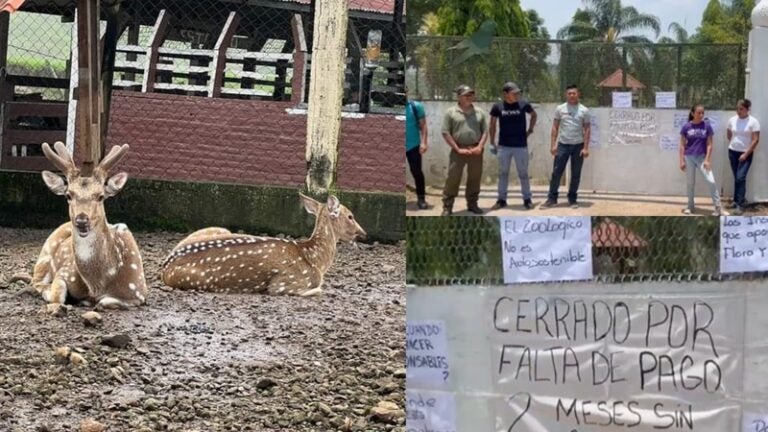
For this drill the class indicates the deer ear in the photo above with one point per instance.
(310, 205)
(334, 206)
(55, 183)
(115, 184)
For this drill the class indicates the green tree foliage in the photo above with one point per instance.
(416, 12)
(464, 17)
(609, 21)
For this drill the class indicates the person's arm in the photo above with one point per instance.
(708, 158)
(587, 125)
(752, 144)
(492, 131)
(532, 123)
(555, 129)
(447, 134)
(729, 133)
(478, 150)
(682, 153)
(424, 135)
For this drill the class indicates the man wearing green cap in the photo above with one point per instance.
(465, 129)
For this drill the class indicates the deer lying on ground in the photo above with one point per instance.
(214, 259)
(87, 260)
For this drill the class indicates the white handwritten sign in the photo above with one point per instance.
(680, 120)
(669, 142)
(754, 423)
(666, 100)
(427, 411)
(539, 249)
(632, 127)
(426, 354)
(743, 243)
(622, 99)
(606, 362)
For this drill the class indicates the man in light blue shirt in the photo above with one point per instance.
(570, 140)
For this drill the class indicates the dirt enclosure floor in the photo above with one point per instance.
(202, 362)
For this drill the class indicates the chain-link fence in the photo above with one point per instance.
(211, 90)
(700, 73)
(467, 251)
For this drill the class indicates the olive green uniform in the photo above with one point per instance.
(466, 129)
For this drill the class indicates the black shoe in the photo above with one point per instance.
(447, 212)
(548, 204)
(499, 204)
(527, 204)
(475, 209)
(422, 204)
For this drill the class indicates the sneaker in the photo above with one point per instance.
(446, 212)
(720, 212)
(422, 204)
(732, 205)
(738, 211)
(475, 209)
(499, 204)
(548, 204)
(687, 211)
(574, 205)
(527, 204)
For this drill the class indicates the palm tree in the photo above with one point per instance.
(680, 34)
(608, 21)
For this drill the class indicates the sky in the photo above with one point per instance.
(557, 13)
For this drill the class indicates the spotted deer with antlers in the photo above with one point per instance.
(214, 259)
(87, 260)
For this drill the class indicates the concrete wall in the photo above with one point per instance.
(469, 329)
(187, 206)
(757, 92)
(620, 161)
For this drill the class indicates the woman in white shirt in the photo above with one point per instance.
(743, 135)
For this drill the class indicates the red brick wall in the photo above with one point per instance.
(247, 142)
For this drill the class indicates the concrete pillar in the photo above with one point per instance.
(757, 92)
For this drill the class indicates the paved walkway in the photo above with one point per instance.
(590, 204)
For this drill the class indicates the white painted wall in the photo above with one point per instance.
(757, 92)
(464, 311)
(641, 168)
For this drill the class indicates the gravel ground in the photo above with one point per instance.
(202, 362)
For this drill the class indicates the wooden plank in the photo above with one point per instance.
(246, 92)
(387, 89)
(220, 55)
(188, 70)
(236, 57)
(155, 41)
(185, 53)
(132, 49)
(21, 136)
(27, 163)
(41, 109)
(30, 81)
(181, 87)
(128, 85)
(299, 79)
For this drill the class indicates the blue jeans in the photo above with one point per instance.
(692, 164)
(740, 171)
(565, 152)
(505, 155)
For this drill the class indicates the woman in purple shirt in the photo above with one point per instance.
(696, 154)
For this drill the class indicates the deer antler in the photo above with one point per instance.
(61, 158)
(111, 159)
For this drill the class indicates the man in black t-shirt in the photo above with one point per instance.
(513, 141)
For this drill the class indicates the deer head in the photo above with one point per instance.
(85, 195)
(341, 220)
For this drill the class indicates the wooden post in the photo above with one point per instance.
(89, 107)
(155, 41)
(216, 80)
(4, 97)
(326, 90)
(298, 84)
